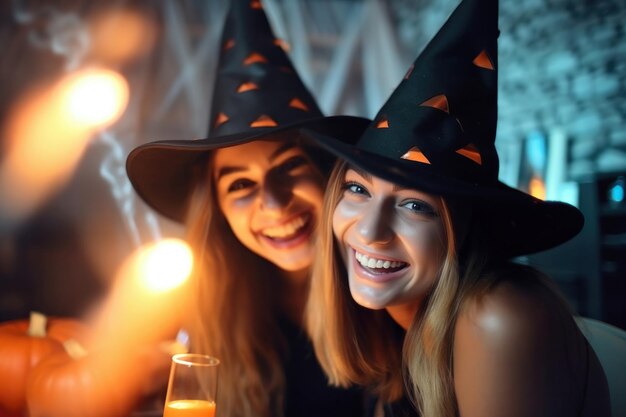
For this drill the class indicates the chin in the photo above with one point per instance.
(293, 265)
(368, 302)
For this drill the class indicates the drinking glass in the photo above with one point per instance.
(192, 387)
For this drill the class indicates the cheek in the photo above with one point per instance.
(342, 216)
(236, 213)
(426, 244)
(310, 189)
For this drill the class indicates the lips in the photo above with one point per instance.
(377, 269)
(290, 233)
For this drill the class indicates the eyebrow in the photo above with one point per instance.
(226, 170)
(281, 150)
(368, 177)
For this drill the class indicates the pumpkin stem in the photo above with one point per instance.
(74, 349)
(37, 324)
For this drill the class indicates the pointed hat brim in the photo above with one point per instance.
(162, 172)
(520, 223)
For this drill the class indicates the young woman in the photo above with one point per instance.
(413, 292)
(251, 197)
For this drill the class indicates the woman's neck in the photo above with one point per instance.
(294, 294)
(404, 314)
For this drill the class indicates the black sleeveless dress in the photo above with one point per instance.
(308, 393)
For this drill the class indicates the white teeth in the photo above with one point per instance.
(368, 262)
(287, 229)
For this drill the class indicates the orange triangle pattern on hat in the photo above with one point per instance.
(256, 84)
(447, 100)
(257, 95)
(442, 136)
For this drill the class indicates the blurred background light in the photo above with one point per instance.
(167, 265)
(119, 35)
(47, 133)
(95, 98)
(616, 191)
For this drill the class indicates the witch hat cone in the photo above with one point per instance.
(258, 95)
(437, 132)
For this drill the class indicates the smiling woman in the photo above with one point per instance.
(251, 195)
(393, 241)
(271, 195)
(427, 308)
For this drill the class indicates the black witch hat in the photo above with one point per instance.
(257, 94)
(437, 133)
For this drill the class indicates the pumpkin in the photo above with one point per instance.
(23, 344)
(74, 383)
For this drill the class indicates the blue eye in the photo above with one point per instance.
(419, 207)
(355, 188)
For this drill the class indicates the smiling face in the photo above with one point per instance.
(392, 241)
(271, 195)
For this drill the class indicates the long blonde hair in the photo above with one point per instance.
(234, 315)
(356, 345)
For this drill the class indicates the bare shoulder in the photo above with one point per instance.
(512, 311)
(516, 352)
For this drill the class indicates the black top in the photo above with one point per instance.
(308, 393)
(399, 408)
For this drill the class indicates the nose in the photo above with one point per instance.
(276, 193)
(374, 227)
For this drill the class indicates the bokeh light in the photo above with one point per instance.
(95, 97)
(166, 265)
(47, 132)
(119, 35)
(537, 188)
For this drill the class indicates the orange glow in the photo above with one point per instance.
(96, 97)
(189, 408)
(537, 188)
(121, 35)
(122, 359)
(148, 298)
(166, 265)
(47, 132)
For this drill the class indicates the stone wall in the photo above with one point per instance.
(562, 71)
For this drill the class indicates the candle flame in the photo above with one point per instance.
(166, 265)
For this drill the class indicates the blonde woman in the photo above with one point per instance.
(413, 292)
(251, 196)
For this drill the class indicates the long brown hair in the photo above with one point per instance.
(234, 314)
(237, 302)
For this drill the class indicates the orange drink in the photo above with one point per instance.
(189, 408)
(192, 388)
